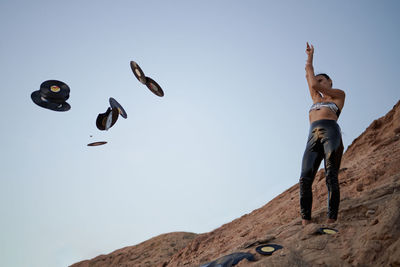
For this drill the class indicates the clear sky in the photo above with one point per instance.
(227, 137)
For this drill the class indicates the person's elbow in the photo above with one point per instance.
(341, 94)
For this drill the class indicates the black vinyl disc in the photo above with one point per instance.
(55, 90)
(114, 104)
(97, 143)
(107, 119)
(230, 260)
(100, 120)
(328, 231)
(137, 71)
(268, 249)
(45, 103)
(112, 117)
(154, 87)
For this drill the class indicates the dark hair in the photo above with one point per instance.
(326, 76)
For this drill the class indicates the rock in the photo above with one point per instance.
(370, 187)
(154, 252)
(360, 187)
(369, 212)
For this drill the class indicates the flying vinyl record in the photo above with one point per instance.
(54, 89)
(45, 103)
(137, 71)
(107, 119)
(114, 104)
(97, 143)
(154, 87)
(110, 118)
(52, 95)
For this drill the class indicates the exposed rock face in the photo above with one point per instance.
(150, 253)
(368, 223)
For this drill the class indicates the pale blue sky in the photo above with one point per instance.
(227, 137)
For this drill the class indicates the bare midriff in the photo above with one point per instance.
(322, 114)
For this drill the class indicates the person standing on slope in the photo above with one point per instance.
(324, 141)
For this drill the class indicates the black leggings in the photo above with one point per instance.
(324, 142)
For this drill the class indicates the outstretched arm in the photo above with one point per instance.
(310, 76)
(313, 84)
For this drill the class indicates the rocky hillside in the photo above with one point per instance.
(368, 223)
(152, 252)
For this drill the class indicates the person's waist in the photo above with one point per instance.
(324, 122)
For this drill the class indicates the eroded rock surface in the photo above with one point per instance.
(368, 223)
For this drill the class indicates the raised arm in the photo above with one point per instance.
(313, 81)
(310, 76)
